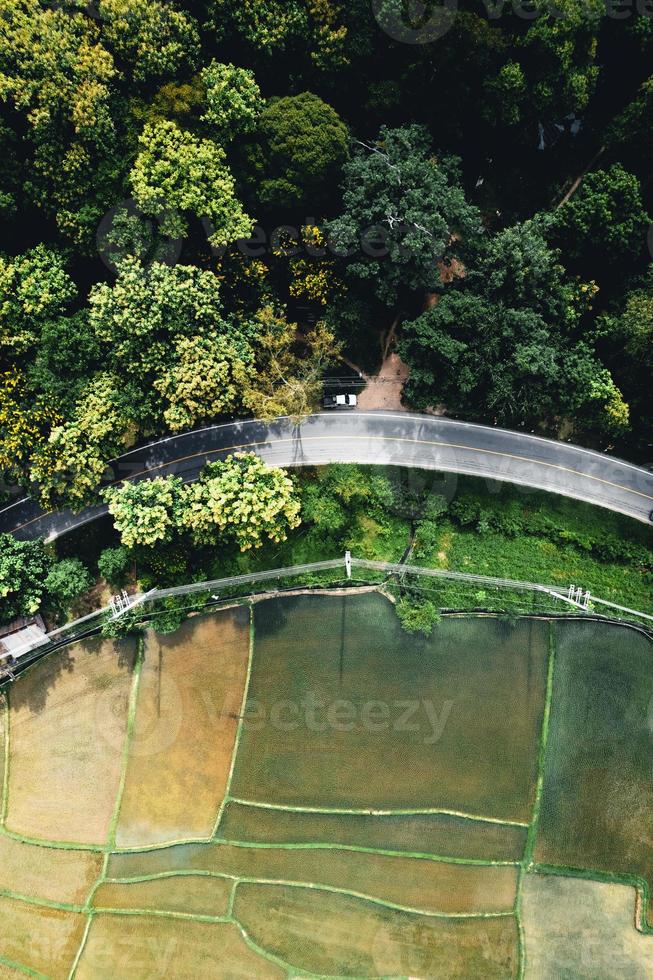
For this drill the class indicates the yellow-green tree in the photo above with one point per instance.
(152, 39)
(241, 499)
(21, 424)
(56, 72)
(206, 379)
(289, 367)
(145, 513)
(175, 172)
(233, 99)
(69, 467)
(33, 287)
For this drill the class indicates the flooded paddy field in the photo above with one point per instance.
(424, 833)
(597, 804)
(303, 789)
(347, 710)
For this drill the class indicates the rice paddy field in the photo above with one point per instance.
(301, 789)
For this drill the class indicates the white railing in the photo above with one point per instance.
(580, 599)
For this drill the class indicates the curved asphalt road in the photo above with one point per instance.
(386, 438)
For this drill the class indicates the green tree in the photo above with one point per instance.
(147, 512)
(233, 100)
(241, 499)
(22, 424)
(24, 567)
(293, 26)
(175, 173)
(66, 581)
(558, 55)
(153, 40)
(304, 144)
(628, 334)
(417, 615)
(508, 340)
(289, 366)
(147, 320)
(113, 565)
(403, 211)
(630, 136)
(55, 71)
(605, 222)
(33, 288)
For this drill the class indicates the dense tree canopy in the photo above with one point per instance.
(33, 288)
(403, 212)
(506, 340)
(243, 499)
(176, 173)
(153, 39)
(147, 512)
(604, 223)
(478, 204)
(239, 499)
(233, 100)
(31, 579)
(304, 144)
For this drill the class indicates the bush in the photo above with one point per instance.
(113, 564)
(417, 615)
(24, 567)
(67, 580)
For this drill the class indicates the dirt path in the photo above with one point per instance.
(385, 388)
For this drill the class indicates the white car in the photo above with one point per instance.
(340, 401)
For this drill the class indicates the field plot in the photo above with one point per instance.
(68, 724)
(428, 833)
(189, 700)
(598, 792)
(40, 939)
(458, 722)
(121, 946)
(47, 872)
(431, 886)
(354, 840)
(335, 934)
(194, 894)
(582, 929)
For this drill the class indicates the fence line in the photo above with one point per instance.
(71, 631)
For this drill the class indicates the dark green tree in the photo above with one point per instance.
(24, 567)
(507, 341)
(304, 144)
(604, 225)
(403, 213)
(66, 581)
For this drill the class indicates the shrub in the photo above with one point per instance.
(67, 580)
(113, 564)
(417, 615)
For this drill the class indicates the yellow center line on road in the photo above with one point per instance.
(366, 438)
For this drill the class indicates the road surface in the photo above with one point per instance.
(382, 438)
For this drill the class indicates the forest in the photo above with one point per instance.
(207, 208)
